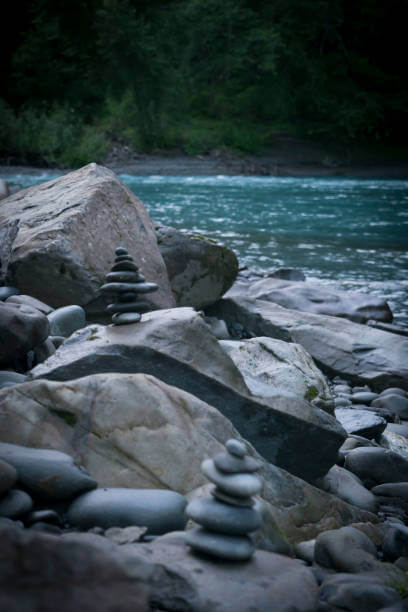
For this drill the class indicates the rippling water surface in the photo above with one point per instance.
(346, 232)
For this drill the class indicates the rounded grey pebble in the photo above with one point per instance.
(46, 527)
(43, 516)
(8, 476)
(363, 397)
(241, 485)
(125, 318)
(233, 548)
(235, 447)
(222, 518)
(121, 251)
(15, 503)
(245, 502)
(233, 464)
(394, 390)
(342, 389)
(341, 402)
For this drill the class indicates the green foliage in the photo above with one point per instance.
(199, 74)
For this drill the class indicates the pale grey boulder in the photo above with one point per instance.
(315, 298)
(134, 431)
(356, 352)
(67, 231)
(200, 269)
(177, 347)
(271, 366)
(349, 487)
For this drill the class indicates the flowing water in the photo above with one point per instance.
(349, 233)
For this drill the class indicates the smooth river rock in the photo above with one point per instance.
(315, 298)
(156, 442)
(357, 353)
(176, 346)
(67, 230)
(158, 510)
(22, 328)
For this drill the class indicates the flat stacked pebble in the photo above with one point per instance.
(227, 518)
(125, 281)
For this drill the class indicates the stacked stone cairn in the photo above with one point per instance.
(125, 281)
(228, 517)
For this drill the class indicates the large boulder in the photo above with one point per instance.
(67, 231)
(355, 352)
(47, 573)
(315, 298)
(178, 347)
(134, 431)
(200, 269)
(272, 367)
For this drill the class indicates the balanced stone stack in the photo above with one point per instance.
(228, 517)
(126, 283)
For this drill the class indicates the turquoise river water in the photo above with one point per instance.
(349, 233)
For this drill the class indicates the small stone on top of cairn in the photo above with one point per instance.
(227, 518)
(125, 283)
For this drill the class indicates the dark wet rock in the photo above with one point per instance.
(342, 388)
(8, 476)
(351, 443)
(44, 516)
(22, 328)
(164, 344)
(46, 474)
(392, 489)
(200, 269)
(394, 391)
(44, 350)
(64, 321)
(355, 593)
(305, 550)
(68, 575)
(30, 301)
(395, 543)
(361, 422)
(339, 347)
(315, 298)
(349, 487)
(158, 510)
(290, 274)
(400, 429)
(341, 402)
(377, 465)
(15, 503)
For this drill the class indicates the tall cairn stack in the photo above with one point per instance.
(125, 282)
(228, 517)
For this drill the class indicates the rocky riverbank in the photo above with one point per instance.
(244, 446)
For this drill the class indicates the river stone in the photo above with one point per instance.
(66, 574)
(349, 487)
(346, 550)
(159, 441)
(395, 542)
(21, 329)
(392, 489)
(223, 518)
(200, 269)
(267, 581)
(356, 593)
(15, 503)
(361, 422)
(6, 293)
(220, 495)
(164, 344)
(44, 350)
(47, 474)
(394, 403)
(9, 378)
(232, 548)
(64, 321)
(230, 464)
(239, 485)
(341, 402)
(8, 476)
(43, 516)
(65, 238)
(400, 429)
(359, 353)
(394, 391)
(342, 389)
(235, 447)
(28, 300)
(158, 510)
(363, 397)
(271, 366)
(315, 298)
(376, 465)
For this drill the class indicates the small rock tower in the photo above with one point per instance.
(126, 283)
(228, 517)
